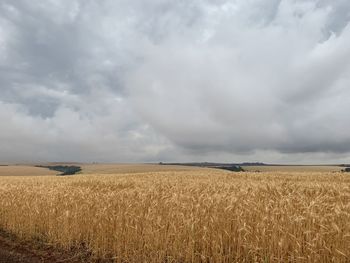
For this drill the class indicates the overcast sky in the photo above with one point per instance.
(164, 80)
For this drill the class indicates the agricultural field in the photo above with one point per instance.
(183, 214)
(293, 168)
(24, 170)
(132, 168)
(95, 169)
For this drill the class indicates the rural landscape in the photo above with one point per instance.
(186, 131)
(172, 213)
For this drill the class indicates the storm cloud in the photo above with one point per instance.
(139, 81)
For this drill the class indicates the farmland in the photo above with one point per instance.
(290, 168)
(181, 214)
(24, 170)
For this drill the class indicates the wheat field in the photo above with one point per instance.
(24, 170)
(291, 168)
(199, 215)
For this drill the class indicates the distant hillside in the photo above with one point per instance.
(233, 167)
(213, 164)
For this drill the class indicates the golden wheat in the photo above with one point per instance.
(186, 216)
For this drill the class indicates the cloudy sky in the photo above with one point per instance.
(187, 80)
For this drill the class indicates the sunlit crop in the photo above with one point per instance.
(186, 216)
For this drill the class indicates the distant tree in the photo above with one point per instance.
(233, 168)
(64, 169)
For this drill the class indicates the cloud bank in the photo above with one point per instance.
(135, 81)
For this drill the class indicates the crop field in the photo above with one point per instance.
(185, 215)
(295, 168)
(24, 170)
(95, 169)
(132, 168)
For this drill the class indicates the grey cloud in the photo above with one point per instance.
(253, 87)
(174, 80)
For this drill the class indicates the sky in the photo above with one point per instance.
(175, 81)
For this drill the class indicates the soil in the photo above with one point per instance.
(13, 250)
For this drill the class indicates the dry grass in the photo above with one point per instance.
(186, 216)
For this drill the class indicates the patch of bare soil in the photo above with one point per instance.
(12, 250)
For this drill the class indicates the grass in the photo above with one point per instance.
(199, 215)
